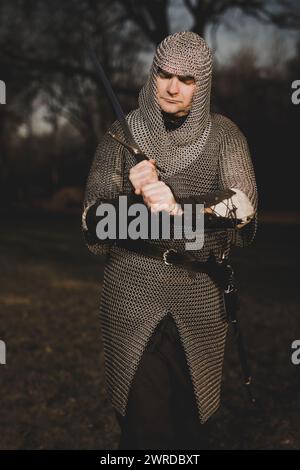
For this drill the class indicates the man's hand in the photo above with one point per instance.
(156, 194)
(142, 174)
(158, 197)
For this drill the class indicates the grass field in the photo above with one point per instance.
(52, 390)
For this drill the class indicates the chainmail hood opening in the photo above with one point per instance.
(171, 122)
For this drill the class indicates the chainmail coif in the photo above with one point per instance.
(179, 54)
(205, 153)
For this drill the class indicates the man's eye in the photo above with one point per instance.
(163, 75)
(188, 81)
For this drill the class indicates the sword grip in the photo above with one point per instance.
(135, 151)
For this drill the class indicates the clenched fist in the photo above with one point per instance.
(143, 173)
(158, 197)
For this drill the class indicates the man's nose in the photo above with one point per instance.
(173, 85)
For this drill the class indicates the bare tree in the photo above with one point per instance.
(44, 59)
(153, 19)
(43, 53)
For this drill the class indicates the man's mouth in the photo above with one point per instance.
(170, 101)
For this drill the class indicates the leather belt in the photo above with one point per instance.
(218, 271)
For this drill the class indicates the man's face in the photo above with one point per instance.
(175, 93)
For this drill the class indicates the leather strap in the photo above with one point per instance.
(216, 270)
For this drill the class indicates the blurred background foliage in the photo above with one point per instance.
(56, 111)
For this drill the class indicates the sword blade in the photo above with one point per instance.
(112, 97)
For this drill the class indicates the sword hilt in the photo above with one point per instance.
(134, 149)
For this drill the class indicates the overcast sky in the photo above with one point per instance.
(239, 30)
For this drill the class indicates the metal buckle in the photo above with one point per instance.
(165, 255)
(229, 288)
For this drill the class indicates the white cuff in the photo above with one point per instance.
(244, 209)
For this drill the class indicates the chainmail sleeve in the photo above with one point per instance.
(105, 181)
(236, 171)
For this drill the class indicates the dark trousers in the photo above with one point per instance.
(161, 411)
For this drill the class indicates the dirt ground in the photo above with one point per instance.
(52, 387)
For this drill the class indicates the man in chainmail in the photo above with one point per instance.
(164, 329)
